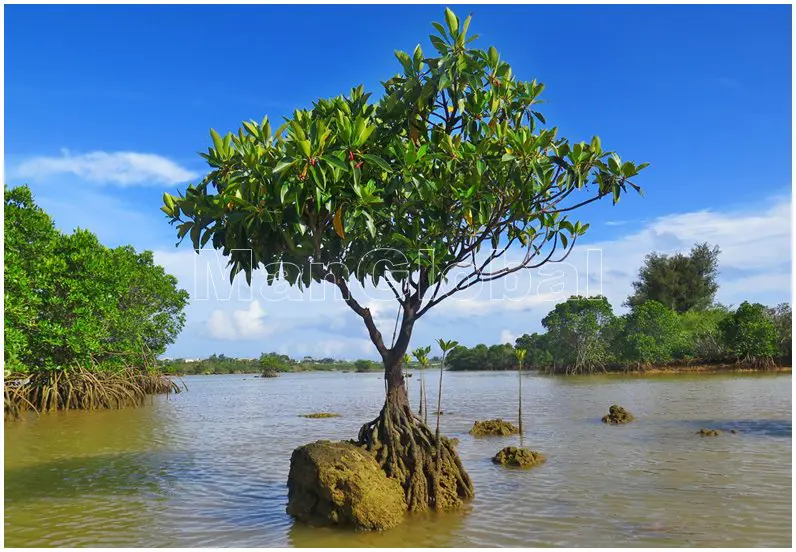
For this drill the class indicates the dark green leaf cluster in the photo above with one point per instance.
(681, 282)
(70, 301)
(481, 357)
(750, 334)
(579, 332)
(583, 336)
(454, 157)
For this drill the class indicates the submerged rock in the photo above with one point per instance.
(519, 457)
(321, 415)
(341, 483)
(617, 415)
(493, 427)
(708, 432)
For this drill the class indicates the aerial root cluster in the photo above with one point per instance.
(406, 449)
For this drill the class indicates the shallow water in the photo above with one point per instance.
(208, 467)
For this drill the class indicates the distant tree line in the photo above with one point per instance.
(267, 363)
(672, 320)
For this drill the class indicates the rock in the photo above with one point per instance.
(519, 457)
(270, 374)
(341, 483)
(321, 415)
(734, 432)
(493, 427)
(617, 415)
(708, 432)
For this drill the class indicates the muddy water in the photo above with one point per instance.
(208, 467)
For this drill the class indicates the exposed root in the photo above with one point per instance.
(406, 449)
(80, 388)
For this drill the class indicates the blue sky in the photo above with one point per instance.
(106, 107)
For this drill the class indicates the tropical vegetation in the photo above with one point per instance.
(84, 323)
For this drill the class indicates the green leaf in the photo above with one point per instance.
(507, 157)
(375, 159)
(335, 161)
(371, 226)
(305, 147)
(284, 164)
(406, 61)
(439, 44)
(494, 57)
(452, 21)
(441, 29)
(218, 142)
(417, 57)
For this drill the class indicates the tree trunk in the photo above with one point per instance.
(406, 448)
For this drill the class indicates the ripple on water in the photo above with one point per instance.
(208, 467)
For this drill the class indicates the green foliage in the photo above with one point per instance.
(222, 364)
(750, 334)
(701, 336)
(782, 318)
(537, 349)
(272, 362)
(481, 357)
(70, 301)
(650, 333)
(577, 334)
(454, 157)
(680, 282)
(363, 365)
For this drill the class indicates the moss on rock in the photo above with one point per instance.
(708, 432)
(321, 415)
(519, 457)
(340, 483)
(617, 415)
(493, 427)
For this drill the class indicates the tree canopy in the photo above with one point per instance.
(450, 168)
(578, 331)
(70, 301)
(751, 334)
(681, 282)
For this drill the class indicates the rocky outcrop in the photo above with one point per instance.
(617, 415)
(708, 432)
(518, 457)
(493, 427)
(341, 483)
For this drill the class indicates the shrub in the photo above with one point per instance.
(651, 334)
(576, 333)
(70, 301)
(750, 335)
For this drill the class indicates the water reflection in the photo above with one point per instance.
(445, 529)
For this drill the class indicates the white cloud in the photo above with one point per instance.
(121, 168)
(507, 337)
(241, 325)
